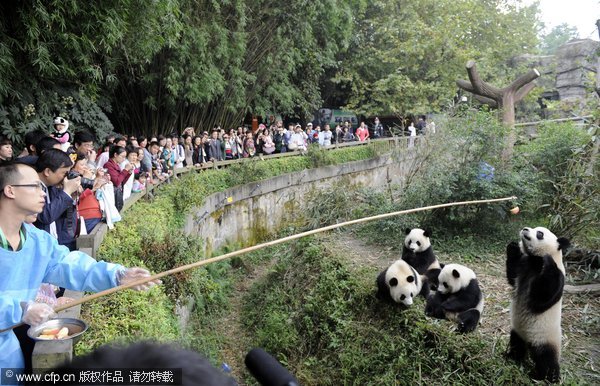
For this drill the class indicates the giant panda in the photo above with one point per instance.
(418, 253)
(400, 283)
(535, 270)
(458, 298)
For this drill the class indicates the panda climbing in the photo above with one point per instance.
(535, 270)
(400, 283)
(458, 298)
(418, 253)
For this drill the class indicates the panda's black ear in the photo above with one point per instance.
(563, 243)
(393, 282)
(455, 273)
(407, 230)
(410, 279)
(427, 233)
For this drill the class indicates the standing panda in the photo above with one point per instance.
(458, 298)
(535, 270)
(418, 253)
(400, 283)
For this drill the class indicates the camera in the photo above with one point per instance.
(86, 183)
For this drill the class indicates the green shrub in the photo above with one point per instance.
(567, 172)
(452, 166)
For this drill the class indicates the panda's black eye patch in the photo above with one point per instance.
(411, 294)
(410, 279)
(402, 297)
(540, 235)
(419, 243)
(445, 284)
(393, 282)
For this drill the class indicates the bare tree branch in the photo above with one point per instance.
(465, 85)
(523, 80)
(503, 98)
(482, 88)
(524, 91)
(485, 100)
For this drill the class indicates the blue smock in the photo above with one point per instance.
(42, 260)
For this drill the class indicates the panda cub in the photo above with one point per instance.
(418, 253)
(534, 268)
(400, 283)
(458, 298)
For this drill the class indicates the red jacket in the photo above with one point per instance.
(88, 205)
(117, 176)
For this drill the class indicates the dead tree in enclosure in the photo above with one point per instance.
(502, 98)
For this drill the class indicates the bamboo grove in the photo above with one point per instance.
(151, 67)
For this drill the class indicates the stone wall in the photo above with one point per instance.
(570, 72)
(576, 66)
(247, 214)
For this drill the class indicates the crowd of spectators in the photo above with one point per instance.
(86, 183)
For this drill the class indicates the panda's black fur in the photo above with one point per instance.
(457, 298)
(418, 253)
(535, 270)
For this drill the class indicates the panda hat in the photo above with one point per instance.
(61, 121)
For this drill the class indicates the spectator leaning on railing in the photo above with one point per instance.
(88, 206)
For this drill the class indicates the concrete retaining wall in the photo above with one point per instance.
(247, 214)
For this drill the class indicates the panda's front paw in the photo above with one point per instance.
(513, 250)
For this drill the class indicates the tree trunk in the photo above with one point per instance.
(503, 98)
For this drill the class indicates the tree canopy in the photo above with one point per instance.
(557, 36)
(156, 67)
(406, 55)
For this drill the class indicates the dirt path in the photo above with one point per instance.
(236, 339)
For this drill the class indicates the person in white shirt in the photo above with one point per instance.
(412, 130)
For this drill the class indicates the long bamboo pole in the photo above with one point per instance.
(261, 246)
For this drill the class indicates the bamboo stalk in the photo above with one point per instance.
(261, 246)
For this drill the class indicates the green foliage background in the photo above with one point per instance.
(154, 67)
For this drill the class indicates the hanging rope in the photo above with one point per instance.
(264, 245)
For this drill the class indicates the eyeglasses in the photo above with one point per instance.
(38, 185)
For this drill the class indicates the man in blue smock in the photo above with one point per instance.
(30, 256)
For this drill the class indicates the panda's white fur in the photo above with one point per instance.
(416, 240)
(454, 284)
(457, 298)
(402, 281)
(408, 282)
(544, 327)
(536, 311)
(417, 250)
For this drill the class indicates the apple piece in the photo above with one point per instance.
(46, 337)
(64, 332)
(50, 331)
(515, 210)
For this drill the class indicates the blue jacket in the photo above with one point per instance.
(42, 260)
(60, 209)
